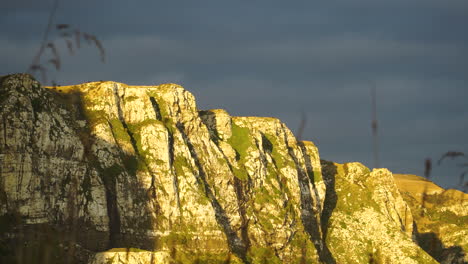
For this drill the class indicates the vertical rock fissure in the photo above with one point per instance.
(402, 225)
(3, 195)
(112, 210)
(175, 180)
(4, 131)
(310, 174)
(156, 109)
(236, 245)
(406, 216)
(108, 179)
(241, 203)
(152, 190)
(122, 120)
(170, 138)
(310, 216)
(328, 173)
(20, 175)
(119, 147)
(242, 200)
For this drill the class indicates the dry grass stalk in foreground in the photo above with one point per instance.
(463, 185)
(72, 37)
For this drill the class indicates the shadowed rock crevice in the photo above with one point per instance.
(236, 245)
(208, 118)
(4, 132)
(329, 172)
(108, 177)
(113, 177)
(311, 175)
(175, 180)
(432, 244)
(112, 207)
(242, 200)
(152, 193)
(122, 119)
(92, 239)
(170, 138)
(310, 213)
(156, 109)
(242, 187)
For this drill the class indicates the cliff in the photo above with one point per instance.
(104, 172)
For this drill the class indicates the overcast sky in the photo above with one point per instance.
(281, 58)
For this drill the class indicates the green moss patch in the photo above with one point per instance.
(118, 130)
(280, 160)
(241, 141)
(263, 255)
(179, 163)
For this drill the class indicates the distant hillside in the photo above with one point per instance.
(416, 185)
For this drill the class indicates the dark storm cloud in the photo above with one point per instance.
(25, 6)
(277, 58)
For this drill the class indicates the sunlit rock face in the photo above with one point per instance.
(132, 256)
(92, 170)
(369, 217)
(441, 217)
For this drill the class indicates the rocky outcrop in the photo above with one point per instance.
(104, 165)
(132, 256)
(369, 217)
(441, 217)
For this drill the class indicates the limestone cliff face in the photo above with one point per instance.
(369, 217)
(104, 165)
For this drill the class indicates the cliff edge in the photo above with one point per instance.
(105, 172)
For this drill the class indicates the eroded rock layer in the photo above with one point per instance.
(104, 165)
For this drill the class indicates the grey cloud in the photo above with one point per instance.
(25, 6)
(272, 58)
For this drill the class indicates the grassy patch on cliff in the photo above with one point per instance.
(280, 160)
(241, 141)
(120, 133)
(179, 164)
